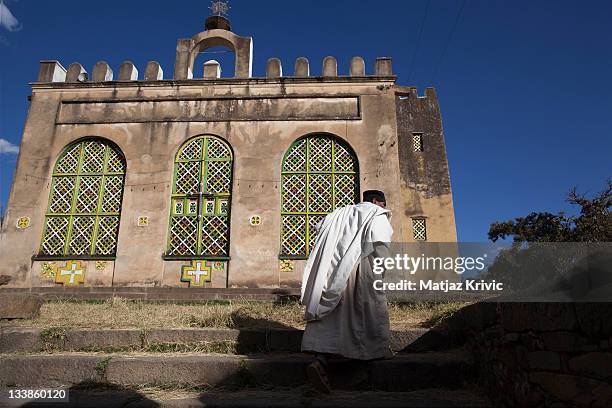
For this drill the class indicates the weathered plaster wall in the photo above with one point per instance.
(258, 136)
(425, 181)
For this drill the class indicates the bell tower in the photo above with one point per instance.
(216, 33)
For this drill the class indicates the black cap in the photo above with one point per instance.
(370, 195)
(217, 22)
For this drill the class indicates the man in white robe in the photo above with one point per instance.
(345, 315)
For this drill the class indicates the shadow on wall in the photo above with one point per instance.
(532, 353)
(263, 335)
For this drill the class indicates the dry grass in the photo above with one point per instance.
(157, 393)
(425, 314)
(121, 313)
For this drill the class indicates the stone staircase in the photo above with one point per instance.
(242, 341)
(163, 294)
(258, 367)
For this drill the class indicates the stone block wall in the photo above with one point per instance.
(541, 354)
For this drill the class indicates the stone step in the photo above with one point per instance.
(355, 399)
(450, 369)
(258, 399)
(169, 294)
(180, 294)
(246, 340)
(290, 398)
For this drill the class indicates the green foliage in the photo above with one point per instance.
(102, 366)
(53, 333)
(220, 347)
(53, 338)
(594, 224)
(556, 253)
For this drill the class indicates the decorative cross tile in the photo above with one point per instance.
(143, 221)
(23, 222)
(286, 265)
(72, 274)
(48, 270)
(197, 273)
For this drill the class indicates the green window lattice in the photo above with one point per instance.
(85, 201)
(200, 202)
(319, 174)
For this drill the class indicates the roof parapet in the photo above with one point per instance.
(51, 71)
(405, 92)
(212, 69)
(128, 72)
(357, 67)
(383, 67)
(274, 69)
(76, 73)
(153, 72)
(301, 67)
(330, 67)
(102, 72)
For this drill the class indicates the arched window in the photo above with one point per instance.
(319, 174)
(85, 201)
(200, 206)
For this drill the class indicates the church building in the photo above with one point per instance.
(193, 179)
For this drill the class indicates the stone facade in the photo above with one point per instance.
(145, 125)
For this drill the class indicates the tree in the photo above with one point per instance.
(556, 253)
(594, 224)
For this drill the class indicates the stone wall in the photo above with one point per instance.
(539, 354)
(425, 180)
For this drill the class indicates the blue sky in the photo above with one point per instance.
(524, 86)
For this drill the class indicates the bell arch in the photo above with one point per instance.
(320, 172)
(188, 49)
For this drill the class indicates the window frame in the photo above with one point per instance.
(307, 172)
(421, 144)
(200, 198)
(414, 229)
(77, 175)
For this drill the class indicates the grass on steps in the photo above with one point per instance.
(122, 313)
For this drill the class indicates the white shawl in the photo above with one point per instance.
(338, 249)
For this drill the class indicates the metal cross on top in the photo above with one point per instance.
(219, 8)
